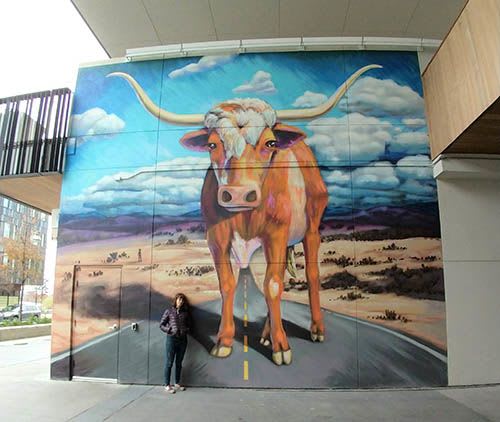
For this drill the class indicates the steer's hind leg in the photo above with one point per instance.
(311, 247)
(219, 247)
(317, 200)
(265, 337)
(275, 250)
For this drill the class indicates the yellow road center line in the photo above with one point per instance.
(245, 320)
(245, 344)
(245, 305)
(245, 370)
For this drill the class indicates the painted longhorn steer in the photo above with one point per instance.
(263, 188)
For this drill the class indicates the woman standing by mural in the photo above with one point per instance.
(176, 323)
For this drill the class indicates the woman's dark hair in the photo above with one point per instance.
(185, 301)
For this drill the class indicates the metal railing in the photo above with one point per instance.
(33, 132)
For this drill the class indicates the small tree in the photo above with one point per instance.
(24, 262)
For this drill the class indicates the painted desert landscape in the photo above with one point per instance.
(381, 265)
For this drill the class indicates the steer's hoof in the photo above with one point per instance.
(221, 351)
(317, 337)
(280, 358)
(265, 341)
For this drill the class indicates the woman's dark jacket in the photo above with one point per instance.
(175, 322)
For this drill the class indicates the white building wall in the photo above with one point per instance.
(469, 202)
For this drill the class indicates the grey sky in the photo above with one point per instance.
(43, 42)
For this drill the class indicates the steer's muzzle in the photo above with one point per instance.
(238, 198)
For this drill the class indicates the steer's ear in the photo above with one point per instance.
(287, 135)
(195, 141)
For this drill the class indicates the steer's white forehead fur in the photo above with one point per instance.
(239, 122)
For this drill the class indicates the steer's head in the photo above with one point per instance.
(242, 137)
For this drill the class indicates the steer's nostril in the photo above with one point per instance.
(226, 196)
(251, 196)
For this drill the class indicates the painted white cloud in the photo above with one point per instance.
(383, 97)
(337, 177)
(410, 143)
(261, 83)
(175, 189)
(413, 121)
(353, 136)
(185, 166)
(96, 121)
(421, 160)
(382, 183)
(418, 188)
(338, 184)
(381, 176)
(310, 99)
(417, 167)
(375, 200)
(205, 63)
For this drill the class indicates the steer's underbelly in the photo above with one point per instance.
(243, 249)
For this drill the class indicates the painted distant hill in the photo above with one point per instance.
(90, 227)
(398, 222)
(423, 214)
(413, 220)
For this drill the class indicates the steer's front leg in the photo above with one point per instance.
(275, 250)
(219, 247)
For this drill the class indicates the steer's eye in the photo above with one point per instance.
(212, 146)
(271, 144)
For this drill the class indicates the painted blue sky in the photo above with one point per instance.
(374, 142)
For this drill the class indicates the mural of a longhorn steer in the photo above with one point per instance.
(249, 200)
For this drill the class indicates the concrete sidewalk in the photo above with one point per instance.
(27, 394)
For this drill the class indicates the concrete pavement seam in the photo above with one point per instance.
(467, 407)
(104, 406)
(130, 402)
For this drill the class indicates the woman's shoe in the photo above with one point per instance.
(169, 389)
(179, 387)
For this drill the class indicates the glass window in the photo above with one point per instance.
(6, 230)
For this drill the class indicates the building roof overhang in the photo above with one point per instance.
(130, 24)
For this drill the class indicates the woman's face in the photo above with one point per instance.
(178, 302)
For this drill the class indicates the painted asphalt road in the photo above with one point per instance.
(355, 354)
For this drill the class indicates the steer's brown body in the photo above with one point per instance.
(263, 189)
(270, 222)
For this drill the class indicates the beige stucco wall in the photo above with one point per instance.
(469, 201)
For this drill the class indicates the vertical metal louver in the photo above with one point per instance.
(33, 132)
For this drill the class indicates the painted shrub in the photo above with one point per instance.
(290, 196)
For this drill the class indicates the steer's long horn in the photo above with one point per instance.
(165, 115)
(309, 113)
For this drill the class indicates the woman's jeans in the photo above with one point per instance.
(175, 348)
